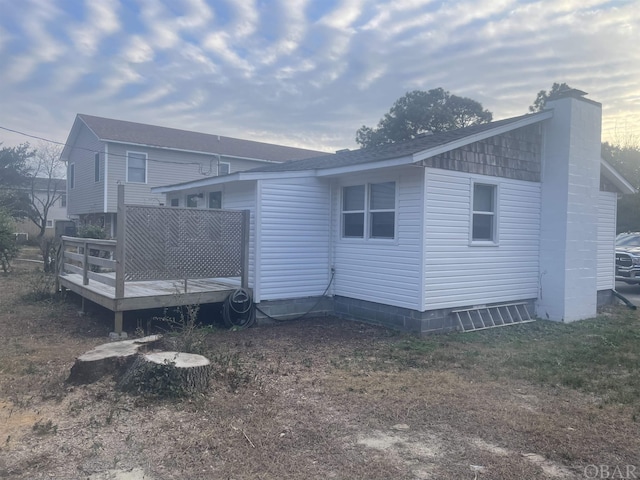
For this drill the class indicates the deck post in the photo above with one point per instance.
(244, 252)
(120, 255)
(85, 265)
(118, 322)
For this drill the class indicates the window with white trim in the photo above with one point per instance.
(63, 200)
(175, 202)
(369, 211)
(484, 213)
(49, 224)
(224, 168)
(136, 167)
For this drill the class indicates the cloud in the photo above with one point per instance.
(42, 47)
(305, 70)
(137, 50)
(101, 21)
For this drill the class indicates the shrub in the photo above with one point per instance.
(8, 247)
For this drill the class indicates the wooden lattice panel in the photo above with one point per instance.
(175, 243)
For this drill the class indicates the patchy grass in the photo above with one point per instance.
(599, 356)
(325, 398)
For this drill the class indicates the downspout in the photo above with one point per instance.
(626, 301)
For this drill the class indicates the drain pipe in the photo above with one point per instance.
(626, 301)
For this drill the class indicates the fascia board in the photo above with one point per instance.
(618, 180)
(234, 177)
(394, 162)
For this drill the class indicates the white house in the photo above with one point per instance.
(101, 153)
(430, 233)
(47, 193)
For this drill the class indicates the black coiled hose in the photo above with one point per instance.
(238, 311)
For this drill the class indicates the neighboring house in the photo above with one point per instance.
(409, 234)
(46, 191)
(100, 153)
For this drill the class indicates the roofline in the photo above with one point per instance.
(618, 180)
(199, 152)
(391, 162)
(523, 122)
(234, 177)
(372, 165)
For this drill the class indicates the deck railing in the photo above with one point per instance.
(162, 243)
(92, 258)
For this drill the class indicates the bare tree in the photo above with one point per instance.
(46, 189)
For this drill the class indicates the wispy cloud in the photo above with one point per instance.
(101, 21)
(304, 70)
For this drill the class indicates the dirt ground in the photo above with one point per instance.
(320, 398)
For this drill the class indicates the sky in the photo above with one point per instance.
(305, 73)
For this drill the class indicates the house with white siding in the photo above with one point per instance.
(101, 153)
(497, 222)
(49, 194)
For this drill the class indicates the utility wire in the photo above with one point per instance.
(150, 159)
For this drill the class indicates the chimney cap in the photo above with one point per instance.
(571, 92)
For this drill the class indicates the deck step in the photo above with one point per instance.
(481, 318)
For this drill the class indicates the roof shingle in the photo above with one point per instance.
(122, 131)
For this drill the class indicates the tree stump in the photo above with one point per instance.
(108, 359)
(169, 374)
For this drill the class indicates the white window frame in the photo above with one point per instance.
(495, 214)
(228, 165)
(146, 169)
(368, 211)
(72, 175)
(49, 224)
(176, 200)
(63, 200)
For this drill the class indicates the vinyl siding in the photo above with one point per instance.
(459, 274)
(606, 240)
(376, 270)
(164, 167)
(87, 196)
(294, 238)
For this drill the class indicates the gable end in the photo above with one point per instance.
(515, 155)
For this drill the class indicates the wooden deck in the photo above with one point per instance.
(151, 294)
(206, 251)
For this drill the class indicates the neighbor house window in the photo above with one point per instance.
(63, 200)
(224, 168)
(96, 167)
(369, 208)
(175, 202)
(192, 200)
(72, 175)
(215, 199)
(136, 167)
(49, 223)
(483, 221)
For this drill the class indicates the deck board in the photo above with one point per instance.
(152, 294)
